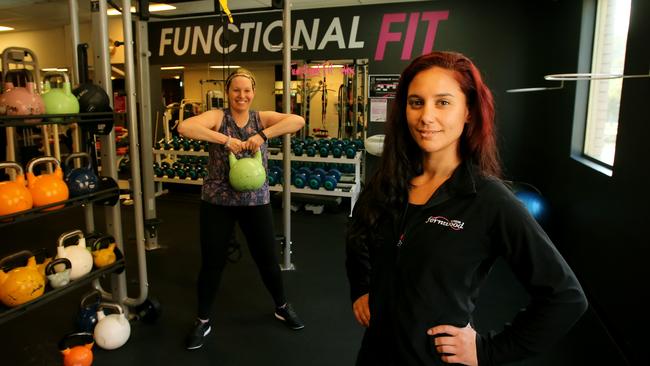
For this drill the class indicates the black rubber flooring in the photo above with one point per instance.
(244, 329)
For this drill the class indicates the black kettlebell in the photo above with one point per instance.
(149, 311)
(87, 317)
(107, 184)
(92, 98)
(82, 180)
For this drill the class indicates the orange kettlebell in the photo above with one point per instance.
(46, 188)
(14, 196)
(79, 354)
(103, 251)
(21, 284)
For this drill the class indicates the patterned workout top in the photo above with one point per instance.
(216, 187)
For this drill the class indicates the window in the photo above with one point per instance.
(603, 98)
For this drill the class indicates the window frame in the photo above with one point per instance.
(585, 58)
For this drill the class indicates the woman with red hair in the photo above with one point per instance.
(432, 221)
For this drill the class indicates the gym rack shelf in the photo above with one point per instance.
(172, 152)
(107, 194)
(7, 313)
(102, 121)
(349, 186)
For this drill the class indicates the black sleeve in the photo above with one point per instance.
(357, 264)
(557, 299)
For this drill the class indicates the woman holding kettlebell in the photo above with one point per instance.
(241, 131)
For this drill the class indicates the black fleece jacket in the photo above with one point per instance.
(433, 274)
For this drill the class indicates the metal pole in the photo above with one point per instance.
(102, 78)
(134, 153)
(74, 69)
(11, 149)
(355, 95)
(146, 139)
(286, 142)
(89, 217)
(74, 35)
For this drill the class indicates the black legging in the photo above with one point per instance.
(217, 225)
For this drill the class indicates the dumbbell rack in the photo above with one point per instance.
(158, 153)
(348, 186)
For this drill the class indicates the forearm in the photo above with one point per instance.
(196, 131)
(290, 124)
(533, 330)
(557, 299)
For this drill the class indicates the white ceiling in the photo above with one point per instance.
(21, 14)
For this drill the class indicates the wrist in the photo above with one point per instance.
(262, 135)
(225, 144)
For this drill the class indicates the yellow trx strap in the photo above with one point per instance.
(224, 5)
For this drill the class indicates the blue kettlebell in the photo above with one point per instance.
(87, 317)
(81, 180)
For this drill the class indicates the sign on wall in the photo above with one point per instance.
(382, 86)
(377, 32)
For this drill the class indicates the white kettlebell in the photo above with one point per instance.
(112, 331)
(79, 256)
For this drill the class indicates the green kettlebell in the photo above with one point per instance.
(247, 174)
(59, 100)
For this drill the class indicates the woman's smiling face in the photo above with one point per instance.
(240, 93)
(436, 111)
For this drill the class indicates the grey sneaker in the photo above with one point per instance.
(199, 330)
(288, 316)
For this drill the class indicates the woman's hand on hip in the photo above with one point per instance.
(362, 310)
(455, 345)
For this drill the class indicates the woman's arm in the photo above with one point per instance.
(274, 124)
(557, 299)
(204, 127)
(278, 124)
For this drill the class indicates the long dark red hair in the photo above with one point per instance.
(387, 190)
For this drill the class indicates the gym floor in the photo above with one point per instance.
(244, 329)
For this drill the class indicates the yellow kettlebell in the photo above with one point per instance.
(103, 251)
(47, 189)
(21, 284)
(14, 196)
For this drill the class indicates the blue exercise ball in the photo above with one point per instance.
(535, 203)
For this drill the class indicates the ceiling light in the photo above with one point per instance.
(3, 28)
(172, 67)
(225, 66)
(63, 69)
(152, 9)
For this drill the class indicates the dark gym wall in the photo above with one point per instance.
(601, 223)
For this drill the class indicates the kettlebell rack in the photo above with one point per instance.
(50, 294)
(106, 195)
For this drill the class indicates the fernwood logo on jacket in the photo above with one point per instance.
(443, 221)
